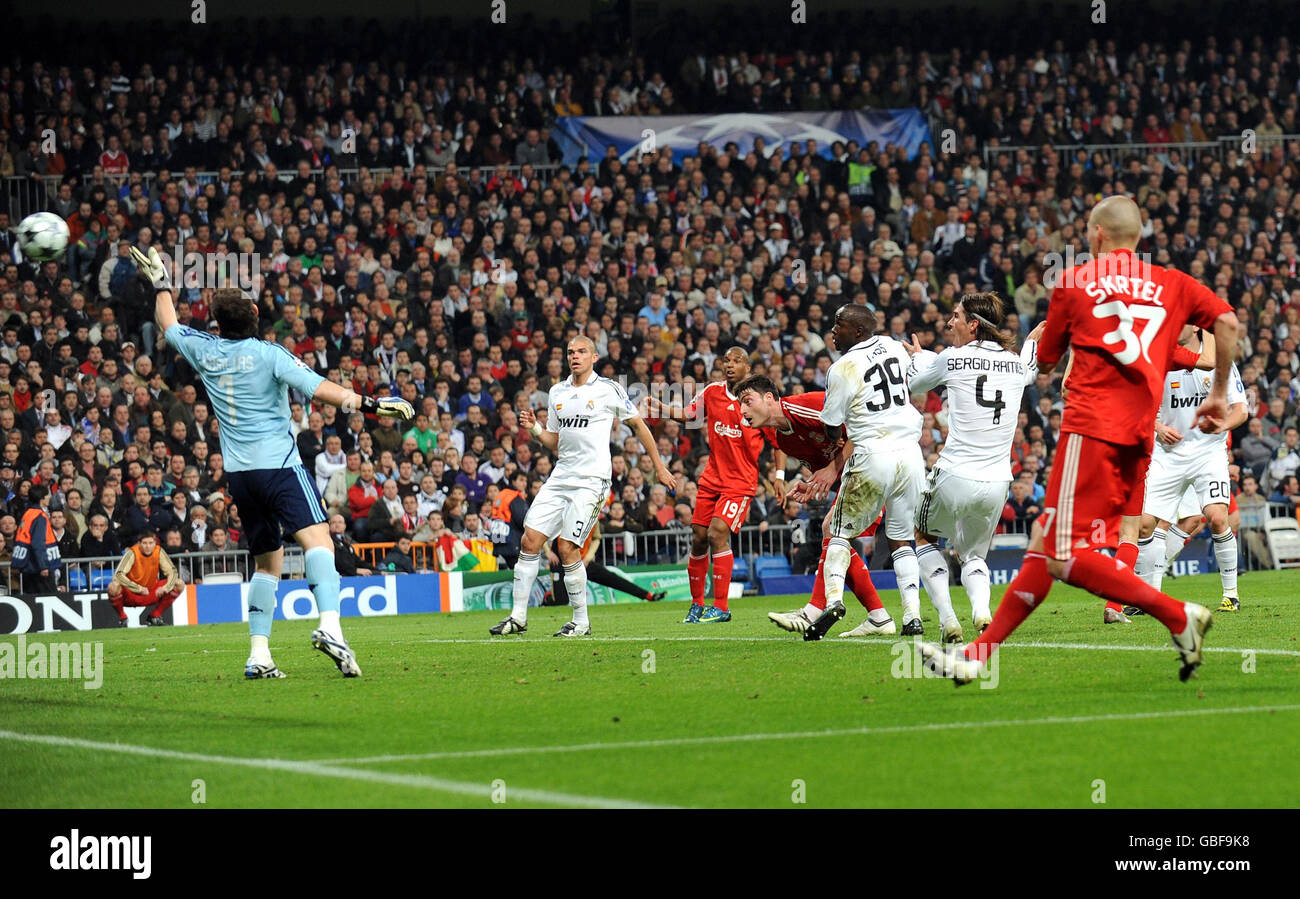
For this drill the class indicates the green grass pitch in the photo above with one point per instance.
(653, 712)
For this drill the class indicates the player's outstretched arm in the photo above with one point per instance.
(351, 401)
(528, 419)
(1213, 415)
(647, 439)
(154, 270)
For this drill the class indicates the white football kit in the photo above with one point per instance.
(568, 504)
(967, 488)
(866, 393)
(1199, 461)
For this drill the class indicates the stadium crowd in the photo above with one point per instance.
(448, 257)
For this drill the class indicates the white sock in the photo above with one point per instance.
(260, 652)
(908, 574)
(934, 575)
(975, 578)
(811, 612)
(329, 623)
(1159, 546)
(1175, 540)
(835, 566)
(878, 616)
(575, 582)
(525, 575)
(1225, 554)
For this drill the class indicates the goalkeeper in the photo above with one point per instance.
(247, 379)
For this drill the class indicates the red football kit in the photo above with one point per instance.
(1122, 317)
(806, 441)
(731, 476)
(727, 486)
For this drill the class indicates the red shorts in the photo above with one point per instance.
(155, 594)
(710, 503)
(1093, 485)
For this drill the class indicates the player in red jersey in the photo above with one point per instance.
(1121, 316)
(793, 425)
(725, 489)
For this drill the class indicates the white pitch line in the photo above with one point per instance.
(324, 769)
(805, 734)
(869, 641)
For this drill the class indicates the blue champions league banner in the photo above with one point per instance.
(581, 136)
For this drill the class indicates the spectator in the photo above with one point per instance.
(345, 555)
(146, 577)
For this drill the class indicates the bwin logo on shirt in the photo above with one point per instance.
(578, 421)
(1185, 402)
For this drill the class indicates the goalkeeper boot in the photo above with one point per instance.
(714, 615)
(657, 596)
(795, 622)
(573, 629)
(1191, 640)
(257, 671)
(507, 626)
(825, 621)
(338, 651)
(693, 616)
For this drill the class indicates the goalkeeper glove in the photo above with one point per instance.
(387, 407)
(152, 269)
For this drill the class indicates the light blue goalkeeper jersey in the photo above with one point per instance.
(247, 383)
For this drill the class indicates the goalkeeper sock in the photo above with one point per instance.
(525, 575)
(575, 583)
(261, 610)
(1225, 555)
(323, 579)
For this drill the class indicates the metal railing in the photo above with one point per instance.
(24, 194)
(673, 546)
(1191, 152)
(95, 572)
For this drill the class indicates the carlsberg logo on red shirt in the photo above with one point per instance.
(725, 430)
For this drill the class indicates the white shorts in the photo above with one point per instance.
(1206, 475)
(1188, 506)
(963, 510)
(568, 512)
(890, 479)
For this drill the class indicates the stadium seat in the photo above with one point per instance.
(76, 579)
(769, 566)
(100, 579)
(1284, 542)
(1009, 541)
(223, 577)
(740, 569)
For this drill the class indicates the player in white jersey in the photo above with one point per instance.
(867, 400)
(967, 488)
(1185, 456)
(580, 414)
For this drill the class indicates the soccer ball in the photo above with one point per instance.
(43, 236)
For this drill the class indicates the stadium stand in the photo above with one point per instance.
(449, 254)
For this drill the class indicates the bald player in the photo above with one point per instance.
(1121, 317)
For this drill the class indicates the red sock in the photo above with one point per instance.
(722, 578)
(1023, 595)
(818, 598)
(1105, 577)
(859, 581)
(165, 601)
(697, 569)
(1127, 553)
